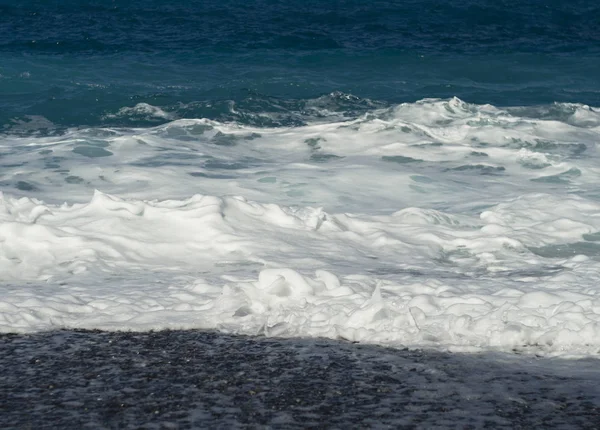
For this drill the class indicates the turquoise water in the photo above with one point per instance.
(76, 63)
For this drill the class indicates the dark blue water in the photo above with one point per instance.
(77, 62)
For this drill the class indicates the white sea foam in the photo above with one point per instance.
(438, 223)
(140, 110)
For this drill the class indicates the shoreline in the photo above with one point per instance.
(193, 378)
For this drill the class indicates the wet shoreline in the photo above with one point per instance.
(191, 379)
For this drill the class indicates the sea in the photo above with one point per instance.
(328, 214)
(411, 174)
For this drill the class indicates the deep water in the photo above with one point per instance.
(76, 63)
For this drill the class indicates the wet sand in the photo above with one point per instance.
(199, 379)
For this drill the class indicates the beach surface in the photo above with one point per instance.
(201, 379)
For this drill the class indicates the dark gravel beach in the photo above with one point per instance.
(197, 379)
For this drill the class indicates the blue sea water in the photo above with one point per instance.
(76, 62)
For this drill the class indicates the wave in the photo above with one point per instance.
(431, 224)
(423, 149)
(415, 277)
(255, 109)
